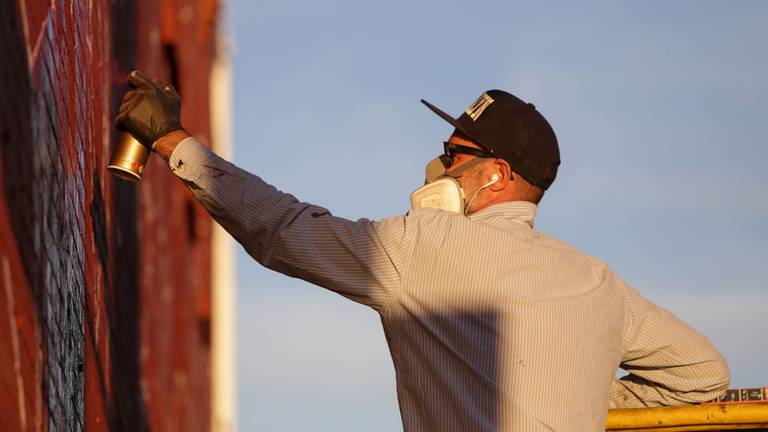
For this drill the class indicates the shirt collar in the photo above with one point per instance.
(522, 212)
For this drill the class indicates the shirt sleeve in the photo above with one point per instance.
(361, 260)
(669, 363)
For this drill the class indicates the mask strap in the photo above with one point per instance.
(455, 173)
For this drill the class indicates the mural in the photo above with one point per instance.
(104, 284)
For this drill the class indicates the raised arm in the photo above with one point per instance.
(361, 259)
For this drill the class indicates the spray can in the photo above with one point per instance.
(129, 158)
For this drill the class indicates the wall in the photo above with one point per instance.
(105, 284)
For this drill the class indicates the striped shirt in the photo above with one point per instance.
(491, 325)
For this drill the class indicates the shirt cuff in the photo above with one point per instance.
(188, 159)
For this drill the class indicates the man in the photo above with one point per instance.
(491, 325)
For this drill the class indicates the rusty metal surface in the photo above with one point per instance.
(104, 285)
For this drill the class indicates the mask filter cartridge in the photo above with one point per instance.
(445, 193)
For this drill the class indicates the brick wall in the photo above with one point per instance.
(105, 285)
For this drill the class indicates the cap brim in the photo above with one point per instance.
(447, 118)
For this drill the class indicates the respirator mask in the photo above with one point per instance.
(442, 190)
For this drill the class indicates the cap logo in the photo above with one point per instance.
(476, 109)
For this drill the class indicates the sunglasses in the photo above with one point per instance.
(450, 150)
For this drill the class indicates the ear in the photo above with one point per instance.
(503, 170)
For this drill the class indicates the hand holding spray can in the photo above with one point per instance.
(148, 111)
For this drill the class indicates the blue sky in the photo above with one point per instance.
(660, 110)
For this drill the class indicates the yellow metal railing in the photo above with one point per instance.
(707, 417)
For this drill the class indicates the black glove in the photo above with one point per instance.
(150, 110)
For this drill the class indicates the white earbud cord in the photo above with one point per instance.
(494, 179)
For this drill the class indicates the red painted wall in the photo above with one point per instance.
(105, 285)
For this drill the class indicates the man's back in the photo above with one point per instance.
(497, 327)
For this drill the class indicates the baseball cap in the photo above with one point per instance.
(512, 130)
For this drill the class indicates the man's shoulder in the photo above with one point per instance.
(562, 247)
